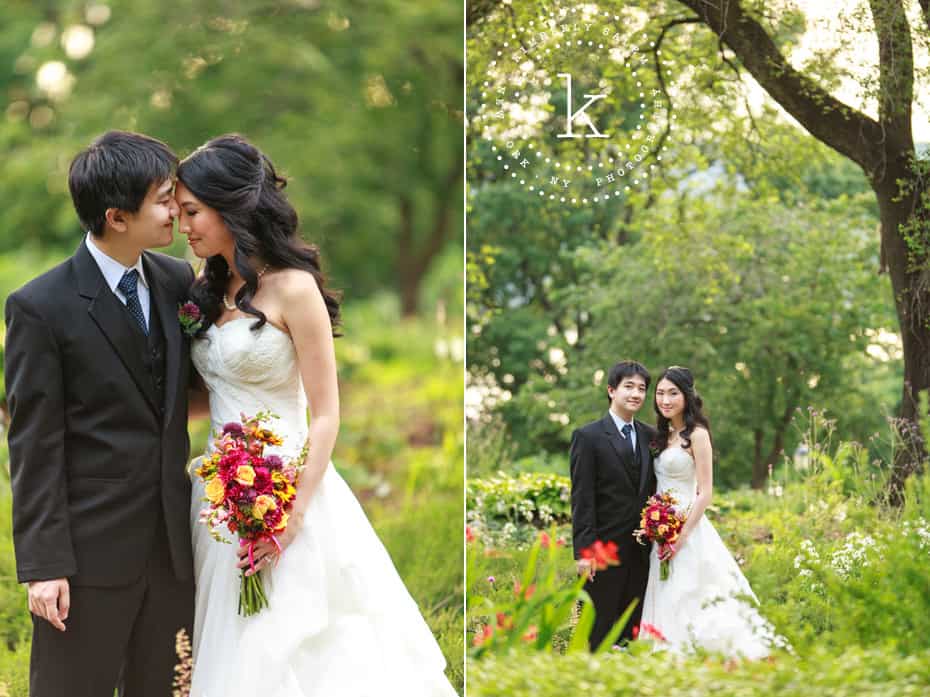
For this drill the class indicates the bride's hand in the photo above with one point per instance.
(265, 552)
(668, 551)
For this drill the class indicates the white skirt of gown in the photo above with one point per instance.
(706, 601)
(339, 621)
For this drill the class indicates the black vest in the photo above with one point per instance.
(152, 349)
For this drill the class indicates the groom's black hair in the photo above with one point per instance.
(625, 369)
(116, 171)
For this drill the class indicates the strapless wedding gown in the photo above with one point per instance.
(706, 601)
(339, 620)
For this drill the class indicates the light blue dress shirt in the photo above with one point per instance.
(113, 271)
(620, 423)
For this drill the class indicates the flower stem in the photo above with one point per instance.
(252, 598)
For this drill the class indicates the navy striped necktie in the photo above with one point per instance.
(128, 286)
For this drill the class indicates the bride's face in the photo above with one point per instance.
(669, 399)
(206, 232)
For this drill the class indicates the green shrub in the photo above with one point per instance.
(510, 508)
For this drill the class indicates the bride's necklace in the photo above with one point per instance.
(233, 307)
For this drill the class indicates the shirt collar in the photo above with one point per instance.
(620, 422)
(111, 269)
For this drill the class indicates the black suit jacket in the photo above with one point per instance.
(605, 503)
(95, 460)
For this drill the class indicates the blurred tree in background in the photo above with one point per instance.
(358, 103)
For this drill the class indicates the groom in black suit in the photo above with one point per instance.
(612, 476)
(97, 373)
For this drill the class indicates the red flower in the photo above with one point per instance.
(263, 483)
(483, 635)
(650, 630)
(531, 633)
(273, 518)
(504, 622)
(602, 554)
(527, 593)
(233, 429)
(191, 310)
(544, 540)
(469, 534)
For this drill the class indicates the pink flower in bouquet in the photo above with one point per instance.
(233, 429)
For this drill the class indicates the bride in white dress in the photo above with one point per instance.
(706, 601)
(339, 620)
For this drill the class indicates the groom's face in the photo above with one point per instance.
(153, 224)
(628, 396)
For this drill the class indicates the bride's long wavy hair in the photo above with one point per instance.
(693, 413)
(236, 179)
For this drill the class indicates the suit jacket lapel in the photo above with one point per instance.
(645, 456)
(167, 313)
(613, 435)
(110, 316)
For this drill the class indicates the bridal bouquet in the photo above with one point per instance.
(249, 493)
(661, 522)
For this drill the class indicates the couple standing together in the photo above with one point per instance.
(99, 374)
(617, 463)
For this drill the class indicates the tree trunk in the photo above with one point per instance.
(912, 304)
(409, 271)
(762, 467)
(414, 260)
(759, 471)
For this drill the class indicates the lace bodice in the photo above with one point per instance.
(250, 371)
(675, 471)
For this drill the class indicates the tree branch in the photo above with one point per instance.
(478, 10)
(896, 70)
(739, 78)
(661, 79)
(846, 130)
